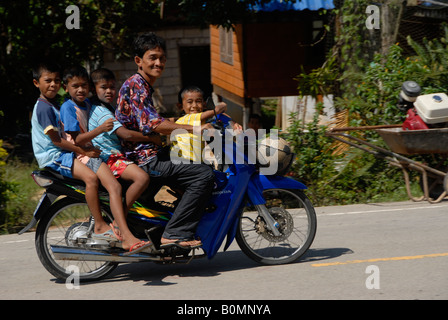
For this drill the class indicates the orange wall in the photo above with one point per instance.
(273, 55)
(228, 77)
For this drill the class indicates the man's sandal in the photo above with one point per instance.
(183, 244)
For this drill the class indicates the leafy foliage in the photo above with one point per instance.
(368, 88)
(22, 195)
(353, 177)
(33, 29)
(432, 57)
(5, 187)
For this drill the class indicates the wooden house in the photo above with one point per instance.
(261, 56)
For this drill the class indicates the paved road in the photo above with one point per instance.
(376, 251)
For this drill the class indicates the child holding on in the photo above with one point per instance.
(50, 150)
(74, 117)
(103, 81)
(191, 98)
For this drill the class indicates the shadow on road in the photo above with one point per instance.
(313, 255)
(165, 275)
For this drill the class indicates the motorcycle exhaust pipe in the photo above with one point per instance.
(84, 254)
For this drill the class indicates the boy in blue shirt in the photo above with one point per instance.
(74, 117)
(49, 148)
(103, 81)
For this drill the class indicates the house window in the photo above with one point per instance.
(225, 45)
(318, 28)
(317, 40)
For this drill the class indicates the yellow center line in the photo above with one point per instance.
(433, 255)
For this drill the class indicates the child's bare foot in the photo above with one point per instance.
(101, 227)
(116, 231)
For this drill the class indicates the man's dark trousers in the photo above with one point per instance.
(196, 180)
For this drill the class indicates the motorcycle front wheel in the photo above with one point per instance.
(65, 220)
(297, 224)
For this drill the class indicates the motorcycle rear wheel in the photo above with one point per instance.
(54, 228)
(296, 217)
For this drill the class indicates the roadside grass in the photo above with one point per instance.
(400, 193)
(23, 195)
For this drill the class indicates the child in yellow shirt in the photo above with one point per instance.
(190, 145)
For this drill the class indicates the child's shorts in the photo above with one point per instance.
(94, 164)
(64, 164)
(118, 163)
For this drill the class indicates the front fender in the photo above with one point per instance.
(280, 182)
(259, 182)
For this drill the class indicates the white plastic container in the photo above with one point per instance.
(432, 108)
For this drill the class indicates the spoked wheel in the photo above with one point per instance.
(296, 219)
(67, 224)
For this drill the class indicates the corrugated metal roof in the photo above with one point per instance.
(279, 5)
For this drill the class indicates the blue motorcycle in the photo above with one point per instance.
(270, 217)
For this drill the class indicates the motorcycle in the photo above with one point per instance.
(270, 217)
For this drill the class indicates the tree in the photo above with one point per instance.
(32, 29)
(391, 13)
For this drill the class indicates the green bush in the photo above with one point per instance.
(5, 186)
(21, 195)
(352, 177)
(370, 97)
(377, 89)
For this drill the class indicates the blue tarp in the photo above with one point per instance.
(279, 5)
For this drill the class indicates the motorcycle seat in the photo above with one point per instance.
(52, 174)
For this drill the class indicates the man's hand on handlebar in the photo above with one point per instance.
(220, 108)
(206, 126)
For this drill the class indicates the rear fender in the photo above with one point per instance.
(44, 203)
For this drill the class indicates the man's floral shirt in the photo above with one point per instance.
(135, 111)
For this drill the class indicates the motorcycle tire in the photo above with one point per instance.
(53, 229)
(296, 217)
